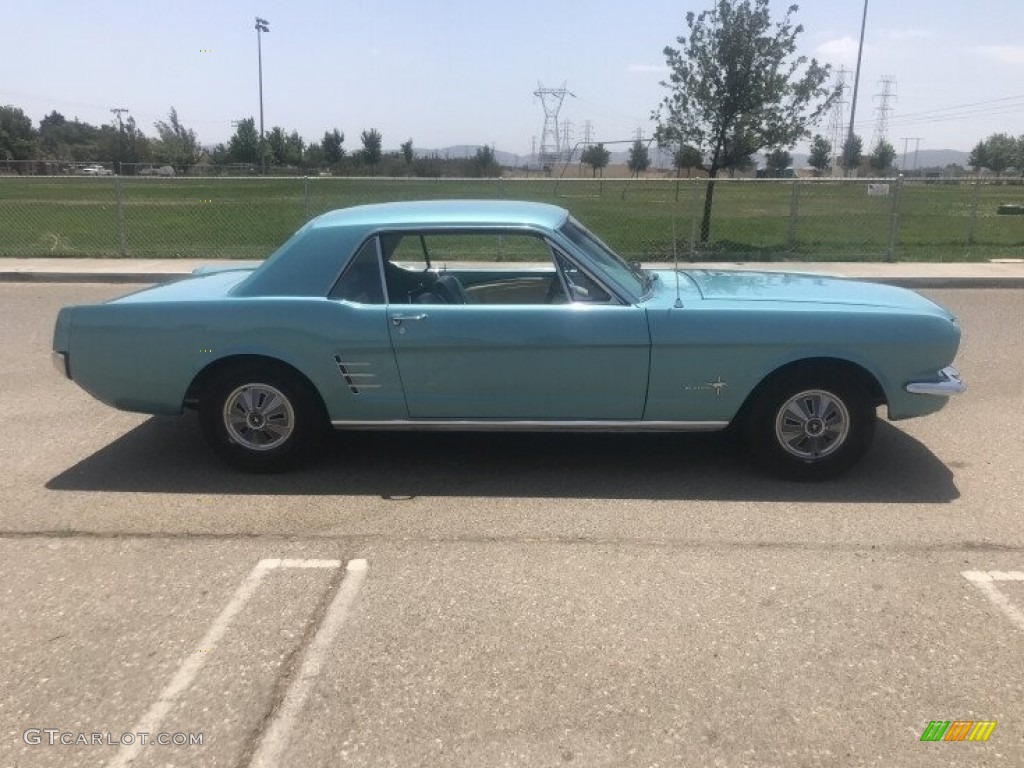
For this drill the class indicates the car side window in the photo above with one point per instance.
(361, 281)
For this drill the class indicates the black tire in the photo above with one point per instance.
(261, 418)
(810, 423)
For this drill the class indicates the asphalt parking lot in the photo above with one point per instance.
(493, 600)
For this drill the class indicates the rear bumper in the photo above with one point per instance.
(948, 384)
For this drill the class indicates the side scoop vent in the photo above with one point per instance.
(356, 375)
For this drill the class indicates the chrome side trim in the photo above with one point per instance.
(531, 425)
(60, 362)
(357, 382)
(948, 384)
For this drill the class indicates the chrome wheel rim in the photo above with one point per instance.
(812, 424)
(258, 417)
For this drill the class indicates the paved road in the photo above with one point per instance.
(506, 600)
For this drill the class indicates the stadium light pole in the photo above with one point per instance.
(856, 83)
(262, 25)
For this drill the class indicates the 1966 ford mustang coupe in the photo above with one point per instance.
(497, 315)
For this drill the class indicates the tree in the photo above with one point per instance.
(371, 147)
(331, 145)
(1000, 152)
(735, 88)
(687, 157)
(407, 154)
(978, 159)
(821, 154)
(853, 147)
(177, 144)
(17, 136)
(276, 152)
(293, 149)
(244, 145)
(639, 158)
(484, 162)
(597, 157)
(777, 161)
(882, 157)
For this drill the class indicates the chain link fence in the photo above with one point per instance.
(648, 219)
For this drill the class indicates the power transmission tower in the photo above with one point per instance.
(884, 109)
(550, 136)
(567, 137)
(837, 118)
(588, 133)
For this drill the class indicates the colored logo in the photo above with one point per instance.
(958, 730)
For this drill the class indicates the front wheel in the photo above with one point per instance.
(260, 420)
(811, 425)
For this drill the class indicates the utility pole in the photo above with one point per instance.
(262, 25)
(117, 112)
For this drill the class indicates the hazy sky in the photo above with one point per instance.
(463, 71)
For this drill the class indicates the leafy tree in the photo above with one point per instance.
(177, 144)
(371, 147)
(882, 157)
(1000, 152)
(313, 156)
(597, 157)
(821, 154)
(407, 154)
(853, 149)
(276, 152)
(777, 161)
(687, 157)
(18, 138)
(736, 88)
(244, 145)
(331, 145)
(639, 158)
(978, 158)
(484, 162)
(293, 149)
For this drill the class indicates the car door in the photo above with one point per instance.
(570, 361)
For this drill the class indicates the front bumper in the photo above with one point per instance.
(60, 362)
(948, 384)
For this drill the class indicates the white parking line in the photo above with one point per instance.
(275, 739)
(190, 667)
(986, 582)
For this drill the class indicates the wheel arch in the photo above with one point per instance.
(207, 374)
(809, 364)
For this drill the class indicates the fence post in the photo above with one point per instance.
(894, 219)
(974, 212)
(694, 200)
(305, 195)
(794, 210)
(122, 231)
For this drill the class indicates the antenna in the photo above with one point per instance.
(675, 259)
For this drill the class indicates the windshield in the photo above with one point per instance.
(603, 259)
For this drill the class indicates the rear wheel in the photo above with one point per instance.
(260, 419)
(811, 424)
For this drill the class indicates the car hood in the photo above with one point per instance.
(788, 287)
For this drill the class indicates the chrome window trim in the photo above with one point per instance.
(615, 299)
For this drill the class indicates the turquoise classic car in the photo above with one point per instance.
(498, 315)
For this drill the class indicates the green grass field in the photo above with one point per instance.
(763, 220)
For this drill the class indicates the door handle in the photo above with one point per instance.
(398, 319)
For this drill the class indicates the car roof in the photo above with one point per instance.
(445, 212)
